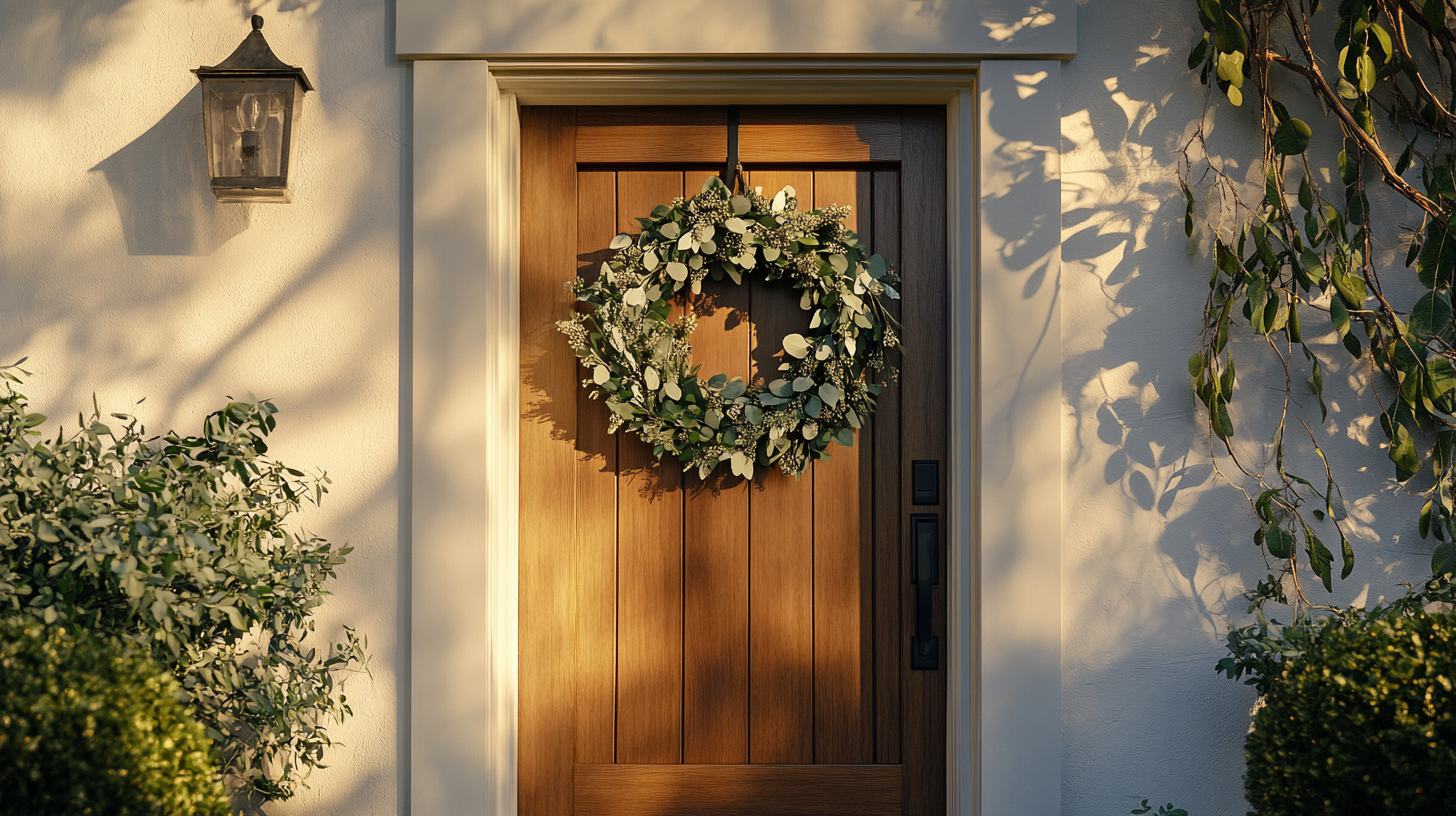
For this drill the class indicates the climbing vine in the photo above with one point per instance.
(1301, 257)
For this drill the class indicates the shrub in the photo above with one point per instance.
(178, 545)
(1363, 720)
(88, 726)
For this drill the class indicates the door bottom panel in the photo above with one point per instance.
(737, 790)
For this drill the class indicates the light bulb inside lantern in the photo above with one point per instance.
(252, 114)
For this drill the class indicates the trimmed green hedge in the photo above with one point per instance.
(1364, 722)
(90, 727)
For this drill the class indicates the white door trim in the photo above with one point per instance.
(1004, 675)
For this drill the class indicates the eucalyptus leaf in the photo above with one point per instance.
(1320, 557)
(1231, 68)
(1339, 317)
(1402, 451)
(1431, 315)
(1443, 558)
(1383, 37)
(1366, 73)
(1292, 137)
(796, 346)
(1313, 266)
(1404, 161)
(1200, 53)
(1278, 540)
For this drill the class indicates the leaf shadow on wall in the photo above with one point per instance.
(160, 184)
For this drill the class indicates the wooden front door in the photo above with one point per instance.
(726, 648)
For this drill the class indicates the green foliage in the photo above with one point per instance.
(1362, 720)
(1258, 652)
(641, 359)
(1163, 810)
(178, 544)
(1302, 247)
(90, 726)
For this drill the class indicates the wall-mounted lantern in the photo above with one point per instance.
(251, 102)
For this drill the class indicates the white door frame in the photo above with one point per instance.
(1004, 679)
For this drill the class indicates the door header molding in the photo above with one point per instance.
(665, 80)
(456, 29)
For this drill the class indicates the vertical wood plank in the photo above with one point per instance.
(781, 554)
(842, 727)
(715, 554)
(865, 444)
(650, 550)
(923, 390)
(594, 514)
(885, 428)
(548, 412)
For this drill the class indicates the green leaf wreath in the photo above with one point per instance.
(641, 360)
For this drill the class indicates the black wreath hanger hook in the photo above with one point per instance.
(732, 175)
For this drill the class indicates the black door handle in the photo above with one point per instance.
(924, 574)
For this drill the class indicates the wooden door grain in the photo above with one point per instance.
(548, 410)
(725, 646)
(649, 566)
(715, 558)
(843, 668)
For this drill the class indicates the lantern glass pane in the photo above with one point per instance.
(248, 126)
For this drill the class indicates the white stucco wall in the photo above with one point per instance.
(120, 275)
(553, 27)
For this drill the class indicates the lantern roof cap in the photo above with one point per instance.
(253, 58)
